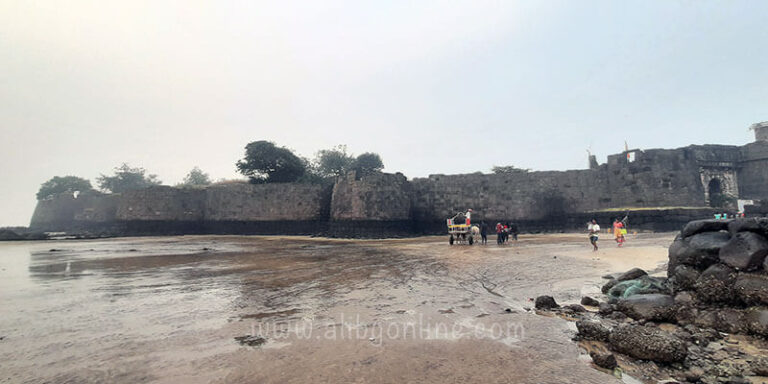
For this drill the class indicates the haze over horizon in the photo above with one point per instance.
(433, 87)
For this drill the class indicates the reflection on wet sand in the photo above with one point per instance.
(169, 309)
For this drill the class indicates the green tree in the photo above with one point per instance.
(334, 162)
(195, 177)
(62, 184)
(266, 163)
(126, 178)
(508, 169)
(368, 163)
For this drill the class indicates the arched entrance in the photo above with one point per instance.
(716, 196)
(721, 189)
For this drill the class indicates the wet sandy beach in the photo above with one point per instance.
(168, 309)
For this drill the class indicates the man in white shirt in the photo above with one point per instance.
(594, 231)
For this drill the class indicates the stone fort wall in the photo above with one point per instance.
(389, 205)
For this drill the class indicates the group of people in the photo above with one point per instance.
(503, 232)
(619, 232)
(726, 216)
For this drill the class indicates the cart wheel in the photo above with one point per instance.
(450, 241)
(471, 240)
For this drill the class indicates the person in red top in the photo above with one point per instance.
(499, 234)
(618, 232)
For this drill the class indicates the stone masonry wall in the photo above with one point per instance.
(386, 203)
(267, 202)
(89, 206)
(753, 173)
(380, 197)
(162, 203)
(657, 178)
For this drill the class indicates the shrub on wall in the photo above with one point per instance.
(62, 184)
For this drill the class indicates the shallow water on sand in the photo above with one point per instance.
(417, 310)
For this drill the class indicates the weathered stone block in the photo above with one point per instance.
(756, 320)
(604, 360)
(592, 330)
(700, 250)
(709, 242)
(632, 274)
(757, 225)
(699, 226)
(648, 343)
(546, 302)
(716, 284)
(648, 307)
(752, 288)
(745, 251)
(684, 277)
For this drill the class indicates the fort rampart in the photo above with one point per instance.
(662, 188)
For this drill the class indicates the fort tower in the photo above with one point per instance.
(761, 131)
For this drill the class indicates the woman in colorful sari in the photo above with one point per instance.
(618, 232)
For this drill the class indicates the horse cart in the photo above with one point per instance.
(461, 231)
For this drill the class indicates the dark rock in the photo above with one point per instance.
(692, 375)
(592, 330)
(684, 277)
(745, 251)
(648, 343)
(546, 302)
(617, 315)
(605, 309)
(756, 225)
(699, 226)
(756, 321)
(685, 298)
(686, 312)
(648, 307)
(632, 274)
(706, 319)
(574, 308)
(759, 366)
(752, 288)
(604, 360)
(588, 301)
(680, 253)
(610, 284)
(8, 235)
(251, 341)
(715, 284)
(699, 251)
(709, 242)
(732, 320)
(727, 320)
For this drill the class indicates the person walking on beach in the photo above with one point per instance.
(484, 232)
(499, 233)
(514, 230)
(618, 232)
(594, 232)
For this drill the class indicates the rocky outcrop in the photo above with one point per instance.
(717, 286)
(546, 302)
(592, 330)
(648, 307)
(648, 343)
(746, 251)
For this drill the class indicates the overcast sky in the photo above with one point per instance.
(432, 86)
